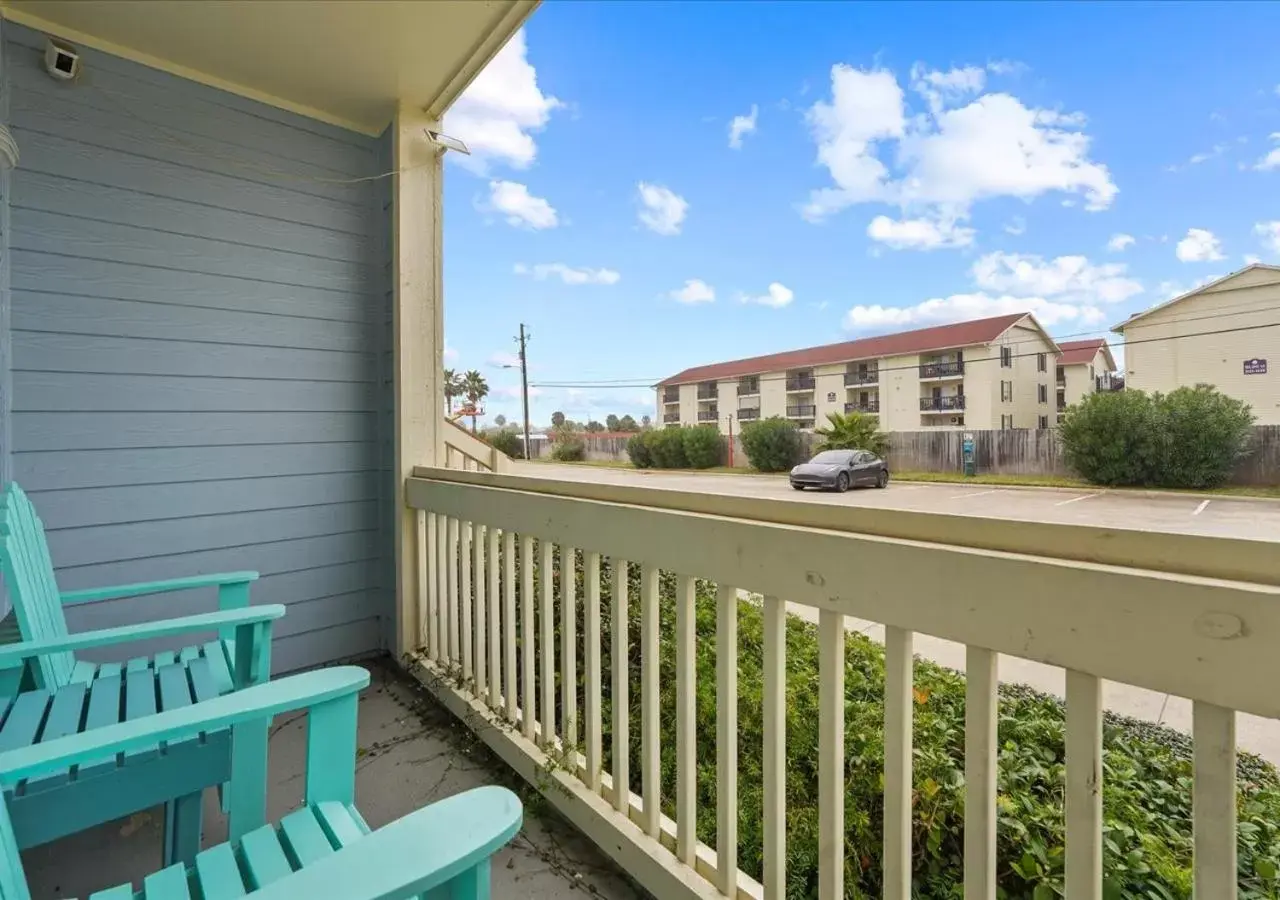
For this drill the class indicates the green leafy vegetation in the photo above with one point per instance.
(771, 445)
(505, 440)
(1189, 438)
(852, 431)
(568, 446)
(703, 446)
(638, 451)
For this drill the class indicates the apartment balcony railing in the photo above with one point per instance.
(853, 379)
(799, 383)
(869, 406)
(518, 656)
(942, 369)
(942, 404)
(707, 392)
(748, 388)
(671, 395)
(801, 412)
(668, 418)
(708, 415)
(747, 415)
(1062, 402)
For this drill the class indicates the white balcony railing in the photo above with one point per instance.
(1192, 616)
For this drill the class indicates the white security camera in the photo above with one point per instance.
(62, 61)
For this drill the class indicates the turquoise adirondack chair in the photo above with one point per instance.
(322, 850)
(71, 695)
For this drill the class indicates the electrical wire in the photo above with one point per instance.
(916, 366)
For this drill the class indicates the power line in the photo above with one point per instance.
(967, 362)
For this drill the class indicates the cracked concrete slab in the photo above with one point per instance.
(411, 752)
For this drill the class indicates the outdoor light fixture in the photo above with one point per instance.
(444, 142)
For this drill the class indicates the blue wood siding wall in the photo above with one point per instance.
(200, 354)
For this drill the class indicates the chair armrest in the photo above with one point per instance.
(126, 633)
(92, 595)
(413, 855)
(259, 702)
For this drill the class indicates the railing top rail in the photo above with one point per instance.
(1208, 639)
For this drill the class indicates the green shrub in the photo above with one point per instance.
(506, 441)
(702, 446)
(771, 445)
(1147, 768)
(568, 448)
(638, 451)
(666, 448)
(853, 431)
(1189, 438)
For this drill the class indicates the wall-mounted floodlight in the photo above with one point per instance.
(444, 142)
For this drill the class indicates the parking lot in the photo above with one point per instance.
(1210, 515)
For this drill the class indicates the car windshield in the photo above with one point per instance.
(832, 457)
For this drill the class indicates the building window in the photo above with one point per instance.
(1044, 422)
(1042, 363)
(1006, 422)
(1042, 393)
(1006, 392)
(1006, 357)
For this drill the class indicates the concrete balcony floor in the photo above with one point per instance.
(411, 753)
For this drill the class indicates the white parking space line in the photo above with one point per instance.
(1200, 508)
(1077, 499)
(978, 494)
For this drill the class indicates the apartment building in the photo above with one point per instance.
(1083, 367)
(983, 374)
(1221, 334)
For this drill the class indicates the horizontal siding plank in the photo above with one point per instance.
(43, 232)
(139, 540)
(34, 431)
(142, 503)
(69, 392)
(112, 468)
(69, 314)
(316, 648)
(38, 351)
(50, 274)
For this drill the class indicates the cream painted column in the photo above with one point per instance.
(418, 340)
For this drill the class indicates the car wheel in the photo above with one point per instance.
(797, 487)
(842, 482)
(882, 480)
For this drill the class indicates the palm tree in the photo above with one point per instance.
(475, 389)
(854, 431)
(452, 388)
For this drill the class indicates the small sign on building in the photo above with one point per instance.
(1255, 367)
(831, 396)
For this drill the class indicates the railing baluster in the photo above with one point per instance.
(649, 712)
(830, 755)
(980, 707)
(527, 654)
(775, 749)
(1084, 787)
(453, 591)
(427, 581)
(495, 663)
(898, 706)
(727, 740)
(478, 569)
(1213, 732)
(569, 646)
(547, 647)
(509, 620)
(686, 723)
(619, 653)
(442, 587)
(464, 595)
(591, 627)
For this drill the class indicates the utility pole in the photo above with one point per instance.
(524, 389)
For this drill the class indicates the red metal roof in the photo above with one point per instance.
(1076, 353)
(922, 340)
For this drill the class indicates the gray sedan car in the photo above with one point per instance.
(839, 470)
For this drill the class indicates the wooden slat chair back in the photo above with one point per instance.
(33, 589)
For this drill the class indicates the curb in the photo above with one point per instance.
(1084, 489)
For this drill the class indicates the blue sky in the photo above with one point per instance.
(895, 166)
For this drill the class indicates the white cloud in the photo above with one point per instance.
(695, 290)
(1120, 242)
(1167, 290)
(742, 126)
(1016, 226)
(951, 156)
(512, 391)
(450, 354)
(1272, 159)
(498, 112)
(778, 296)
(918, 234)
(1269, 233)
(504, 359)
(1066, 277)
(568, 274)
(1200, 245)
(662, 210)
(1197, 158)
(1250, 259)
(521, 209)
(1007, 67)
(960, 307)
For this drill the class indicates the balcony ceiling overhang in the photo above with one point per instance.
(348, 62)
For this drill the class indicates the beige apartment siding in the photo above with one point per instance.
(1025, 341)
(828, 381)
(688, 404)
(1168, 349)
(900, 393)
(773, 394)
(726, 403)
(981, 388)
(1079, 385)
